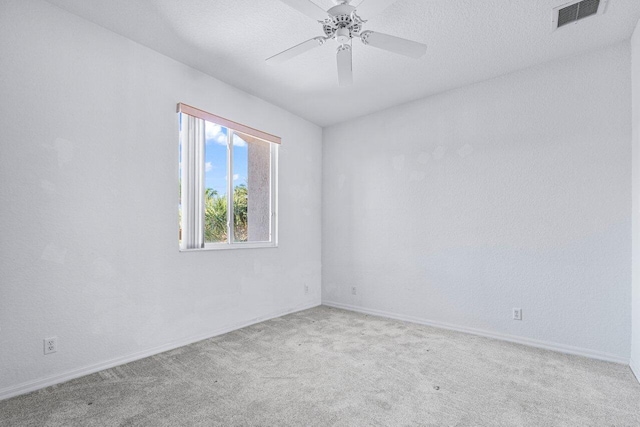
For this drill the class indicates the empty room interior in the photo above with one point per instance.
(320, 213)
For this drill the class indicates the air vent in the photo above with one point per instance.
(575, 11)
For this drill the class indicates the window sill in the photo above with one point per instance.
(224, 246)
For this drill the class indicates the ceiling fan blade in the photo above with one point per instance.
(370, 8)
(308, 8)
(345, 71)
(393, 44)
(296, 50)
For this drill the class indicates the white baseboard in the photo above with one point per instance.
(635, 368)
(34, 385)
(578, 351)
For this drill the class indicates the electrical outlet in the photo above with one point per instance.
(517, 314)
(50, 345)
(353, 291)
(306, 289)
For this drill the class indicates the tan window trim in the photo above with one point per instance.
(195, 112)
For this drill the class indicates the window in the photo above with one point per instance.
(227, 183)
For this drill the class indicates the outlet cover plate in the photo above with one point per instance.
(517, 314)
(50, 345)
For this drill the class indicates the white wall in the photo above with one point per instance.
(514, 192)
(635, 78)
(88, 159)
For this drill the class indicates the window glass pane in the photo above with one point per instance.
(215, 183)
(251, 189)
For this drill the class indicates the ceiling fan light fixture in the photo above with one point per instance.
(343, 35)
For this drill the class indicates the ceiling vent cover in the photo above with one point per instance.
(573, 12)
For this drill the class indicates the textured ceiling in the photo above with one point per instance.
(469, 41)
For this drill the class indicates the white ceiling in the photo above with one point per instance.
(469, 41)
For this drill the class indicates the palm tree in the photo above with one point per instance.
(240, 197)
(215, 217)
(215, 223)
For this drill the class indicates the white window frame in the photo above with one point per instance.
(274, 143)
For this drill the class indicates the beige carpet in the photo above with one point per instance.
(328, 367)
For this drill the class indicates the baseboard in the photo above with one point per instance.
(38, 384)
(635, 368)
(561, 348)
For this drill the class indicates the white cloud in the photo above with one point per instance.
(213, 132)
(208, 166)
(236, 177)
(216, 133)
(239, 142)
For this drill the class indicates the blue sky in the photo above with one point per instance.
(216, 158)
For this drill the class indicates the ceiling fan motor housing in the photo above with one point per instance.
(343, 23)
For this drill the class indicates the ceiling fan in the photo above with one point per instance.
(342, 24)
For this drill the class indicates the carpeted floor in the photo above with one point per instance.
(328, 367)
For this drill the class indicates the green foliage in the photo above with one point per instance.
(215, 215)
(240, 213)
